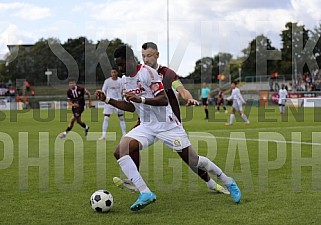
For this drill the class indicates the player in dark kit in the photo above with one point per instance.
(171, 82)
(220, 101)
(76, 97)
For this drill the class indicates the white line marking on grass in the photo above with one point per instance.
(263, 128)
(260, 140)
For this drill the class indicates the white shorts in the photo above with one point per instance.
(282, 101)
(175, 138)
(109, 109)
(238, 107)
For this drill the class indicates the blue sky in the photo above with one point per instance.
(197, 28)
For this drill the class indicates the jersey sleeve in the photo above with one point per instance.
(153, 81)
(170, 78)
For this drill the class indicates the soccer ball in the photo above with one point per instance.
(101, 201)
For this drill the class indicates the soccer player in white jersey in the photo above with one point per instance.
(282, 98)
(171, 84)
(145, 94)
(237, 105)
(114, 89)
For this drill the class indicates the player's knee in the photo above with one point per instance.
(78, 120)
(122, 149)
(189, 157)
(193, 161)
(116, 154)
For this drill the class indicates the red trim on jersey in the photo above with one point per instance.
(149, 71)
(139, 66)
(156, 87)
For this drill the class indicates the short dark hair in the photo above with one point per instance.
(72, 80)
(123, 52)
(151, 45)
(114, 68)
(234, 82)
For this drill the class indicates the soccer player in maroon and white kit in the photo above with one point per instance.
(76, 96)
(171, 82)
(220, 101)
(145, 94)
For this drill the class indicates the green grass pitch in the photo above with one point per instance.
(275, 161)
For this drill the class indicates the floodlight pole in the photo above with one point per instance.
(167, 33)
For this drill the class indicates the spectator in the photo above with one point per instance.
(11, 93)
(27, 84)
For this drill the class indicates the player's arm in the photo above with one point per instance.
(208, 96)
(229, 98)
(120, 104)
(160, 99)
(70, 101)
(89, 98)
(74, 105)
(186, 95)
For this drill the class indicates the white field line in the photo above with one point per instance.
(263, 128)
(257, 140)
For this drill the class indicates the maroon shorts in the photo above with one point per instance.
(77, 111)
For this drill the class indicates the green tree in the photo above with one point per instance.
(4, 75)
(315, 53)
(294, 37)
(261, 58)
(207, 68)
(70, 59)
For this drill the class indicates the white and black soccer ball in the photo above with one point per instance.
(101, 201)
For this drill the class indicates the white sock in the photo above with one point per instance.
(232, 117)
(281, 110)
(130, 170)
(122, 124)
(207, 165)
(211, 184)
(244, 117)
(105, 124)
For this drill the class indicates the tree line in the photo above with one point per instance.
(87, 61)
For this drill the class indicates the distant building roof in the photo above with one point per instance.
(14, 47)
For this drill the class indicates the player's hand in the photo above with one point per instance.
(90, 105)
(192, 102)
(75, 105)
(132, 97)
(100, 95)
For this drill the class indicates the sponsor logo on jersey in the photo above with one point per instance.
(138, 91)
